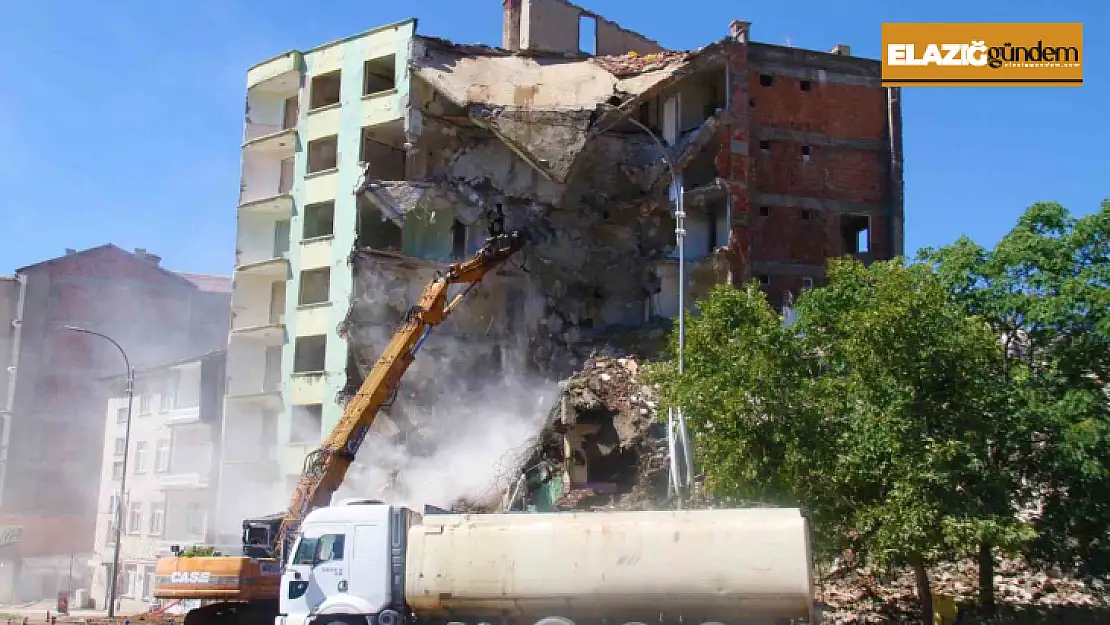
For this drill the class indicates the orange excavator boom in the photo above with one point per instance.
(325, 468)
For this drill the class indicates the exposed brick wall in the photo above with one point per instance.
(848, 173)
(735, 165)
(783, 235)
(837, 110)
(833, 173)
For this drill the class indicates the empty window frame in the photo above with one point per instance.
(309, 354)
(587, 34)
(764, 211)
(379, 75)
(319, 220)
(807, 152)
(766, 80)
(458, 240)
(764, 280)
(375, 231)
(384, 161)
(807, 283)
(765, 146)
(315, 286)
(306, 425)
(324, 90)
(805, 85)
(856, 233)
(323, 154)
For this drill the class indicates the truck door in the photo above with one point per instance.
(370, 565)
(317, 570)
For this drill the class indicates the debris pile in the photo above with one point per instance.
(623, 450)
(858, 595)
(602, 448)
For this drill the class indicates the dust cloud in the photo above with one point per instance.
(466, 409)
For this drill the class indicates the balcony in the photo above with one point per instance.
(280, 74)
(183, 481)
(267, 335)
(271, 140)
(279, 206)
(276, 268)
(266, 400)
(183, 416)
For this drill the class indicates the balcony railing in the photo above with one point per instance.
(254, 131)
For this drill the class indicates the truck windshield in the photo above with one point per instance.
(306, 551)
(326, 548)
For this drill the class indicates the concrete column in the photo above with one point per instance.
(510, 25)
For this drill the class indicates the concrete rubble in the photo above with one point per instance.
(544, 136)
(602, 447)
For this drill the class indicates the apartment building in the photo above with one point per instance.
(172, 473)
(312, 116)
(53, 405)
(390, 152)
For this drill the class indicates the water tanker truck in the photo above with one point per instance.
(373, 563)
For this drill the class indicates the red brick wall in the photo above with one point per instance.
(832, 172)
(736, 166)
(784, 236)
(832, 109)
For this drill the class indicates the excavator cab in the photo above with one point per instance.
(260, 535)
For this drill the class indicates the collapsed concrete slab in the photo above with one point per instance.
(396, 199)
(543, 107)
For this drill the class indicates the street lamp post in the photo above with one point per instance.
(676, 421)
(123, 478)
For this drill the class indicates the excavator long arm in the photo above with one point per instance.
(326, 467)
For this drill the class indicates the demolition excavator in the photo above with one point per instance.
(245, 589)
(365, 561)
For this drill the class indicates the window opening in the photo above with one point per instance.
(587, 34)
(325, 90)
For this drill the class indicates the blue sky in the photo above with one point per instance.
(122, 119)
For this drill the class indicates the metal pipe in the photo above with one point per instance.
(123, 478)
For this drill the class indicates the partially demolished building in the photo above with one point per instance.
(370, 162)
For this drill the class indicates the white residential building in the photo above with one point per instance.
(172, 471)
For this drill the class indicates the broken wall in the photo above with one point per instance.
(556, 26)
(558, 143)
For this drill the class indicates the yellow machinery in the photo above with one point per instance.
(245, 589)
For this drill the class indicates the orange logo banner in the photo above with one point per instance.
(982, 55)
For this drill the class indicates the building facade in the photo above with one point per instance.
(172, 473)
(312, 117)
(49, 474)
(371, 163)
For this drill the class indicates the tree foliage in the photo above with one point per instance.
(921, 412)
(876, 410)
(1045, 289)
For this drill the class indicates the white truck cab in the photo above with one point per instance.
(348, 560)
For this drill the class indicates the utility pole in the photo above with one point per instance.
(112, 584)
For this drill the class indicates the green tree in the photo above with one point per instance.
(875, 410)
(1045, 290)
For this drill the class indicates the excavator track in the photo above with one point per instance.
(234, 613)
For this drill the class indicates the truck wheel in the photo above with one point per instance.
(554, 620)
